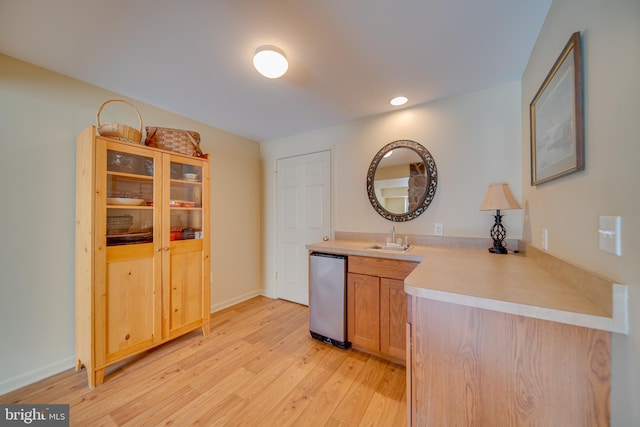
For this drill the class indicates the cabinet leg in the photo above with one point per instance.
(95, 377)
(205, 328)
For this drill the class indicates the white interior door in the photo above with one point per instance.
(303, 217)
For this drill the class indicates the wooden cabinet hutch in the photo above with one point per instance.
(142, 249)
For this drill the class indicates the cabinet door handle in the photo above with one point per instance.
(166, 249)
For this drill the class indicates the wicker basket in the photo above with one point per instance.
(176, 140)
(119, 224)
(118, 131)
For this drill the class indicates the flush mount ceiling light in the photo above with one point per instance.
(270, 61)
(398, 100)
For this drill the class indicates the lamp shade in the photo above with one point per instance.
(270, 61)
(499, 197)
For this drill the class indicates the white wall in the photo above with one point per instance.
(41, 113)
(474, 139)
(569, 207)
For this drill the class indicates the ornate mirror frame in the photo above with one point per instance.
(432, 181)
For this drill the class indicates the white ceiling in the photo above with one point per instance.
(347, 58)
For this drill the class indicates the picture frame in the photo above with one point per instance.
(556, 117)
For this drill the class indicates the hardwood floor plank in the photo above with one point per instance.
(105, 421)
(289, 408)
(295, 344)
(352, 408)
(258, 366)
(110, 396)
(388, 403)
(220, 369)
(154, 412)
(224, 413)
(59, 388)
(262, 403)
(327, 398)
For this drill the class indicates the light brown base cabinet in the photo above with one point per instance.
(470, 366)
(377, 306)
(142, 249)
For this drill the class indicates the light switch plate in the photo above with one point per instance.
(438, 229)
(609, 231)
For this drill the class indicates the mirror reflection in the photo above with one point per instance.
(402, 180)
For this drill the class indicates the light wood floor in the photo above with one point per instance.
(257, 367)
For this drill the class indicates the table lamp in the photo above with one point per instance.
(499, 198)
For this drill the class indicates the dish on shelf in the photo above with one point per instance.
(176, 203)
(124, 201)
(189, 204)
(190, 176)
(127, 238)
(131, 235)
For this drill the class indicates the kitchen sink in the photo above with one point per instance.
(397, 248)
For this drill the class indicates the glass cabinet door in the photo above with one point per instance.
(185, 201)
(130, 198)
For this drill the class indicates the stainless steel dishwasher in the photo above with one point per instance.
(327, 298)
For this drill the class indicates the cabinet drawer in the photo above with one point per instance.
(381, 267)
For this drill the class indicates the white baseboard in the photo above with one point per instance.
(236, 300)
(31, 377)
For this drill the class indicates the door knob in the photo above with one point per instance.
(325, 239)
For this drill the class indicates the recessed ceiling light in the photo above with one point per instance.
(399, 100)
(270, 61)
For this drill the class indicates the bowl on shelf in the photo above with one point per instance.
(128, 198)
(122, 162)
(119, 224)
(124, 201)
(190, 176)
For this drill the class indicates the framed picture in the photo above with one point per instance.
(557, 125)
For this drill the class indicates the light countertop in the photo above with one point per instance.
(507, 283)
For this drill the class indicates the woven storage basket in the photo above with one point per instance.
(118, 131)
(119, 224)
(177, 140)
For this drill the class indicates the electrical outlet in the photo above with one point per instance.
(438, 229)
(609, 235)
(544, 239)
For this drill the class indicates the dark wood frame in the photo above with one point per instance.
(555, 151)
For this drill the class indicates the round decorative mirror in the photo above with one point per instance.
(402, 180)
